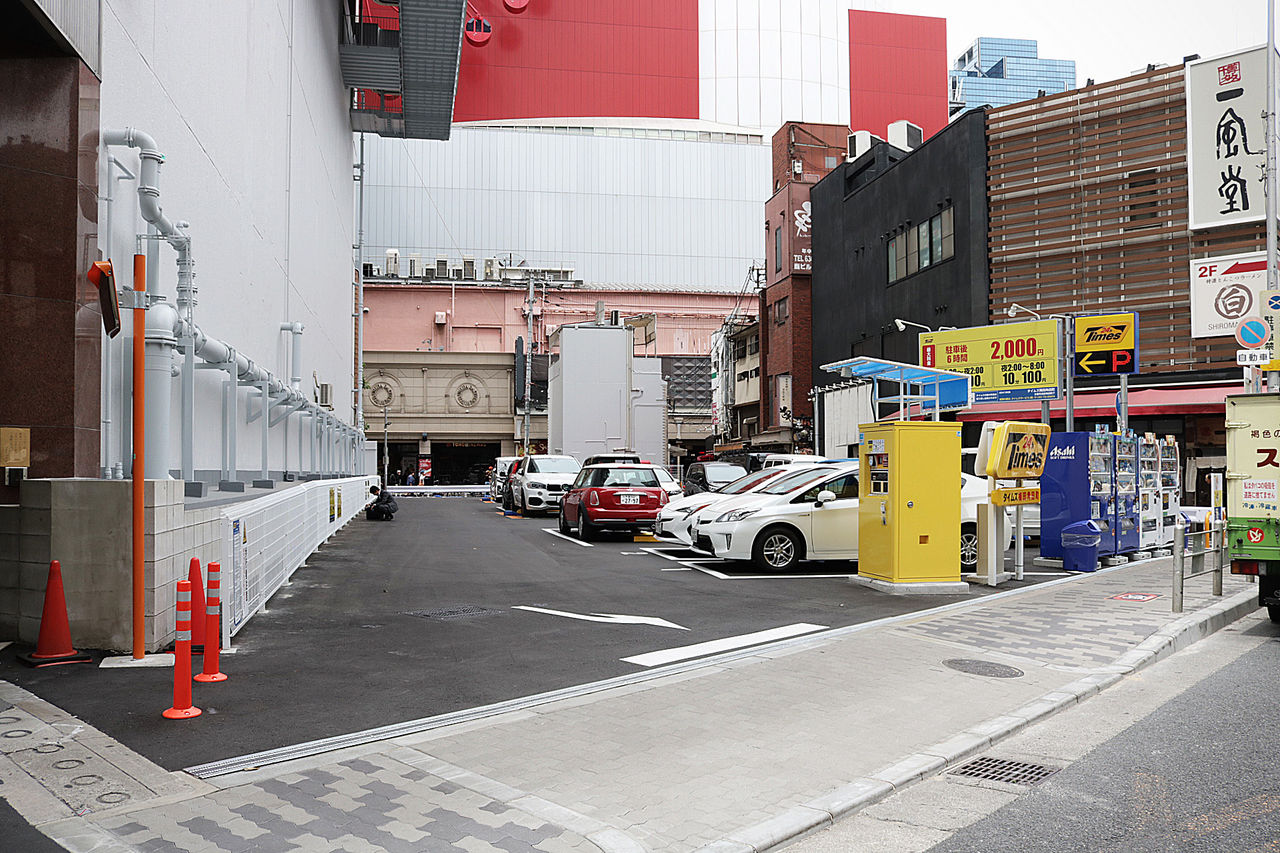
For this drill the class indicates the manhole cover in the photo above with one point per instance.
(990, 669)
(1004, 770)
(461, 611)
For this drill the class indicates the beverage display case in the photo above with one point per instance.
(1127, 518)
(1078, 484)
(1170, 490)
(1150, 502)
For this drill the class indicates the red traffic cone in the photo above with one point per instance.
(54, 644)
(182, 708)
(197, 606)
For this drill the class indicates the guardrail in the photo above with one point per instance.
(1214, 538)
(437, 491)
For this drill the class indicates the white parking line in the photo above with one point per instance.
(555, 532)
(664, 553)
(727, 644)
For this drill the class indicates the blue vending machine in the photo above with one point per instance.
(1128, 520)
(1077, 485)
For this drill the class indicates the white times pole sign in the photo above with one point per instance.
(1226, 139)
(1225, 290)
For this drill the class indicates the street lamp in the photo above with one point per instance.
(902, 325)
(1014, 308)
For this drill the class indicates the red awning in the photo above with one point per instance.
(1143, 402)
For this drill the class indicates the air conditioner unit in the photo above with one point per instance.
(367, 270)
(442, 317)
(456, 273)
(442, 267)
(469, 269)
(490, 269)
(615, 318)
(415, 265)
(393, 262)
(905, 135)
(326, 395)
(860, 142)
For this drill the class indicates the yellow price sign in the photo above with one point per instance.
(1010, 362)
(1014, 497)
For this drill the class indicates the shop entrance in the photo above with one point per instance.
(462, 463)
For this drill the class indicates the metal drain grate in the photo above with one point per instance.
(462, 611)
(1004, 770)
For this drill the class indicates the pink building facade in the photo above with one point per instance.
(438, 317)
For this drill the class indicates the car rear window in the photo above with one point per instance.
(642, 478)
(722, 472)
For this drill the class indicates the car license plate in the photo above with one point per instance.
(629, 499)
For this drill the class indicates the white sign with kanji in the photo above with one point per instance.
(1226, 138)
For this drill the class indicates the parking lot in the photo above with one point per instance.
(455, 605)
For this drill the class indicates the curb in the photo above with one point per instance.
(821, 812)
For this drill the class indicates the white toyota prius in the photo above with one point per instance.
(810, 514)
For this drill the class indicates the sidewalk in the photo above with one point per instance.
(734, 753)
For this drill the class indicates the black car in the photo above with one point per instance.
(709, 476)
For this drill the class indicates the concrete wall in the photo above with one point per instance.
(85, 524)
(246, 102)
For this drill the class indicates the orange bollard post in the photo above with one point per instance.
(212, 632)
(53, 646)
(182, 708)
(197, 606)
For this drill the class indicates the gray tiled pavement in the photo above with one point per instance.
(734, 749)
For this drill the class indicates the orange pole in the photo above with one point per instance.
(139, 458)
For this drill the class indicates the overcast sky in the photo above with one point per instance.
(1107, 38)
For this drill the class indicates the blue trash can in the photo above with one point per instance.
(1080, 546)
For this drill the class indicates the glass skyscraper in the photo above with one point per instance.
(1002, 71)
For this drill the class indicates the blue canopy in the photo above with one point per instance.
(930, 389)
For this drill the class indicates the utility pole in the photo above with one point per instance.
(386, 452)
(528, 363)
(1273, 376)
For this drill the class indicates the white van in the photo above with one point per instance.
(791, 459)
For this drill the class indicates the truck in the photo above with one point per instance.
(1253, 493)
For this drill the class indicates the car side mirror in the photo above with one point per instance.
(825, 496)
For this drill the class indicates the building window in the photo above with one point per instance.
(922, 246)
(777, 249)
(753, 345)
(781, 310)
(1142, 198)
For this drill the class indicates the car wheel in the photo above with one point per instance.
(777, 550)
(968, 548)
(586, 530)
(524, 506)
(564, 523)
(1273, 612)
(508, 504)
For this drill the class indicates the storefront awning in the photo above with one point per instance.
(1143, 402)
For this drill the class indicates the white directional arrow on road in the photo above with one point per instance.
(614, 618)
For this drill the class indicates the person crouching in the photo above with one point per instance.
(384, 506)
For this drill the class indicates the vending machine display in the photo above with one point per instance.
(1150, 509)
(1170, 490)
(1128, 521)
(1078, 485)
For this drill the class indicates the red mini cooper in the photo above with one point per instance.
(612, 497)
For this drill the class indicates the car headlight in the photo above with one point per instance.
(537, 485)
(736, 515)
(690, 510)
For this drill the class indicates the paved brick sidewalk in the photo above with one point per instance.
(728, 755)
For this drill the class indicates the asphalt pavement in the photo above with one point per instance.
(391, 622)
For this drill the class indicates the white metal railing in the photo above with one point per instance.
(267, 538)
(1213, 551)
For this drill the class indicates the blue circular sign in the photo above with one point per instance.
(1253, 333)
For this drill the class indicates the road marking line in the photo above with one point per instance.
(727, 644)
(555, 532)
(610, 618)
(663, 553)
(675, 569)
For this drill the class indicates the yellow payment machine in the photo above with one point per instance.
(909, 507)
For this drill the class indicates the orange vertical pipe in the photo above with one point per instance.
(138, 472)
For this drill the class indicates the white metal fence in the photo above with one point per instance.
(267, 538)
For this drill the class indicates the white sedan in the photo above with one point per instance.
(787, 521)
(674, 521)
